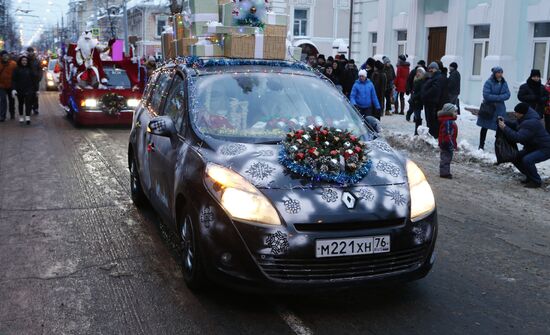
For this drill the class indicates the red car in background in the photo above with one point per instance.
(113, 105)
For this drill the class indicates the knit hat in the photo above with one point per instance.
(421, 70)
(403, 58)
(370, 62)
(379, 65)
(362, 73)
(497, 69)
(454, 65)
(448, 110)
(386, 60)
(421, 63)
(521, 108)
(433, 65)
(535, 73)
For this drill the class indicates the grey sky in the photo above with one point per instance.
(41, 14)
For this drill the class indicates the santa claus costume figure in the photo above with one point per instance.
(90, 72)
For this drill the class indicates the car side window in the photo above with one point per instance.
(175, 103)
(150, 86)
(160, 91)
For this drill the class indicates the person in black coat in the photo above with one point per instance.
(431, 97)
(410, 84)
(34, 63)
(530, 132)
(349, 77)
(534, 93)
(454, 85)
(23, 86)
(444, 96)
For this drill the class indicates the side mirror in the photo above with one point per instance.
(162, 126)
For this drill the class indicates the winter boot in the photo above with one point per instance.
(28, 119)
(21, 119)
(408, 116)
(417, 123)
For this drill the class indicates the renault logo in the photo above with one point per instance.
(349, 200)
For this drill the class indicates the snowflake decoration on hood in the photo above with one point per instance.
(260, 171)
(278, 243)
(329, 195)
(292, 206)
(382, 146)
(207, 216)
(389, 168)
(233, 149)
(366, 194)
(398, 198)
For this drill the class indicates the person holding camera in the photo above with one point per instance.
(529, 131)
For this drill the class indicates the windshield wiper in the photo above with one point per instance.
(269, 142)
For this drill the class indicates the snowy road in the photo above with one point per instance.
(78, 258)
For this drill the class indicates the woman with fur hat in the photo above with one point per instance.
(534, 93)
(495, 92)
(23, 88)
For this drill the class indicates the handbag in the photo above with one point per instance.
(486, 110)
(505, 150)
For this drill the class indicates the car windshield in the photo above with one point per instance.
(263, 107)
(117, 77)
(51, 64)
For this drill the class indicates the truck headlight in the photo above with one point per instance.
(422, 197)
(89, 103)
(238, 197)
(132, 103)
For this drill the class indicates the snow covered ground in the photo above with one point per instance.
(399, 133)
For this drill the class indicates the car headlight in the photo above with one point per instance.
(240, 198)
(49, 76)
(132, 102)
(89, 103)
(422, 197)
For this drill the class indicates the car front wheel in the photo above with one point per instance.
(138, 196)
(192, 263)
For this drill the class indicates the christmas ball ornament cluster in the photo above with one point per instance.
(325, 154)
(112, 104)
(250, 12)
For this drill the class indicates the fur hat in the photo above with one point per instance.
(521, 108)
(421, 63)
(370, 62)
(453, 65)
(403, 58)
(379, 65)
(386, 60)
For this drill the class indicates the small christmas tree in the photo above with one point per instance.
(250, 12)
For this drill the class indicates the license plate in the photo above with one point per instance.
(352, 246)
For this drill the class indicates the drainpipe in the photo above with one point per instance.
(350, 27)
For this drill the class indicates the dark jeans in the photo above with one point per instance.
(431, 119)
(400, 99)
(526, 163)
(25, 103)
(366, 111)
(482, 138)
(34, 102)
(387, 96)
(445, 159)
(547, 122)
(417, 119)
(3, 103)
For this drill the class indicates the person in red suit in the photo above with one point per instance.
(90, 72)
(403, 71)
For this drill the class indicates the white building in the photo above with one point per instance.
(477, 34)
(318, 26)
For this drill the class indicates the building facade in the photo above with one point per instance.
(318, 26)
(477, 34)
(146, 21)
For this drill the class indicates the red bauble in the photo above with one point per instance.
(357, 149)
(353, 138)
(299, 156)
(324, 132)
(334, 152)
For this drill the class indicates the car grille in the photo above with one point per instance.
(346, 226)
(356, 267)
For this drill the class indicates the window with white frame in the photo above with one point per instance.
(541, 49)
(300, 22)
(373, 42)
(401, 42)
(481, 47)
(162, 20)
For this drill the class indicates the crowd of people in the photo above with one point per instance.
(20, 77)
(379, 89)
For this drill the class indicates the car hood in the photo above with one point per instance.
(260, 165)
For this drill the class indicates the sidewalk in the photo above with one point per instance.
(400, 132)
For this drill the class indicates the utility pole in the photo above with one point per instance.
(350, 27)
(125, 19)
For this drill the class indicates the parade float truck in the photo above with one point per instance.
(99, 92)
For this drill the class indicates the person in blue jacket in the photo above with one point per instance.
(363, 96)
(530, 132)
(495, 91)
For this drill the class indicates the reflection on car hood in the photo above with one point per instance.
(260, 165)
